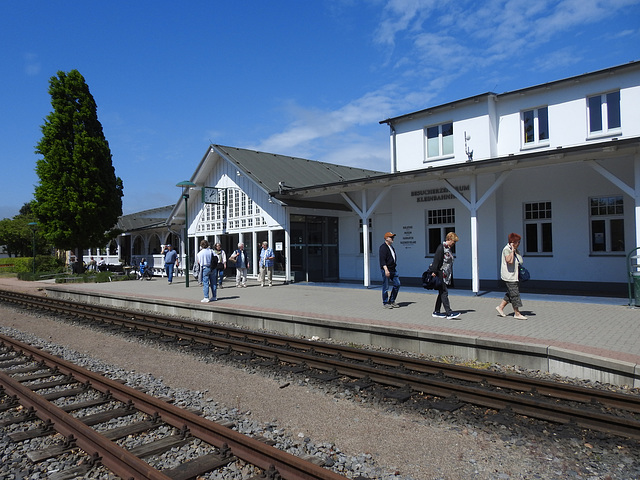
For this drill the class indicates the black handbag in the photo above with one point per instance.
(523, 274)
(430, 281)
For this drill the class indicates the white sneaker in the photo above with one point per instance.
(204, 300)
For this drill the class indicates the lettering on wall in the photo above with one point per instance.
(407, 239)
(435, 194)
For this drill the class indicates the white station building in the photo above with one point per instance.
(558, 163)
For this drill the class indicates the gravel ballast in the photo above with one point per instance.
(361, 438)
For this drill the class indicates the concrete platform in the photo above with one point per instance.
(584, 337)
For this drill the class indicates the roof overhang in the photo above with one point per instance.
(559, 156)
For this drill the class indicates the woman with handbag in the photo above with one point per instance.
(443, 268)
(222, 263)
(510, 261)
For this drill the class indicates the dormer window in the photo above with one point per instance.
(604, 113)
(535, 126)
(439, 140)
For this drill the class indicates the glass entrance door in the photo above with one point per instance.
(314, 248)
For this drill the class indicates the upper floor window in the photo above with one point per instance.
(535, 126)
(604, 112)
(607, 224)
(537, 227)
(439, 140)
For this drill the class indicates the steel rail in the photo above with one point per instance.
(110, 454)
(403, 371)
(246, 448)
(540, 386)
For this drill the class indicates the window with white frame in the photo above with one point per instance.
(535, 126)
(439, 222)
(537, 228)
(439, 140)
(604, 113)
(607, 224)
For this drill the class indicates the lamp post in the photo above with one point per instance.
(186, 185)
(33, 226)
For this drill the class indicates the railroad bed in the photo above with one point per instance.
(32, 381)
(324, 365)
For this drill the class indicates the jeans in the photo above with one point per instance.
(220, 275)
(169, 269)
(209, 282)
(392, 279)
(443, 299)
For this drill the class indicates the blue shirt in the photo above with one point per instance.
(171, 256)
(264, 260)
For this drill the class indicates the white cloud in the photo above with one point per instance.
(32, 66)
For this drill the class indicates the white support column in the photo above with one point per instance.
(473, 204)
(254, 252)
(636, 169)
(633, 192)
(475, 272)
(287, 258)
(365, 242)
(365, 213)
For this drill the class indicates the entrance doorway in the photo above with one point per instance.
(314, 248)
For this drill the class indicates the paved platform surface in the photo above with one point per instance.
(597, 326)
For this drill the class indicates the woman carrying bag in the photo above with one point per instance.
(509, 267)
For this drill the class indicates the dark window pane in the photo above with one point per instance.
(597, 236)
(595, 114)
(617, 235)
(543, 124)
(432, 132)
(531, 237)
(613, 110)
(547, 244)
(434, 239)
(527, 119)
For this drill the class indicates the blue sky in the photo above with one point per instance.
(298, 77)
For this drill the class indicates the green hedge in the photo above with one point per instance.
(44, 263)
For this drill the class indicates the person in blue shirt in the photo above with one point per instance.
(205, 259)
(267, 258)
(170, 261)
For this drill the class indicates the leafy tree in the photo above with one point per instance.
(17, 235)
(79, 197)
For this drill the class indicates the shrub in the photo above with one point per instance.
(44, 263)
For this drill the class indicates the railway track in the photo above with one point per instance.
(428, 384)
(32, 380)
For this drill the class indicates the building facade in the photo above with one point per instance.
(558, 163)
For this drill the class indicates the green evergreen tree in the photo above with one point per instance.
(79, 198)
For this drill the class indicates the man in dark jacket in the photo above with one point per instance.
(387, 255)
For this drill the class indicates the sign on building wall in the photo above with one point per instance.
(435, 194)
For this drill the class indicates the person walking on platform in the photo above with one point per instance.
(443, 268)
(204, 258)
(509, 263)
(170, 261)
(267, 258)
(388, 259)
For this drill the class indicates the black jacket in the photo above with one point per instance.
(438, 260)
(386, 258)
